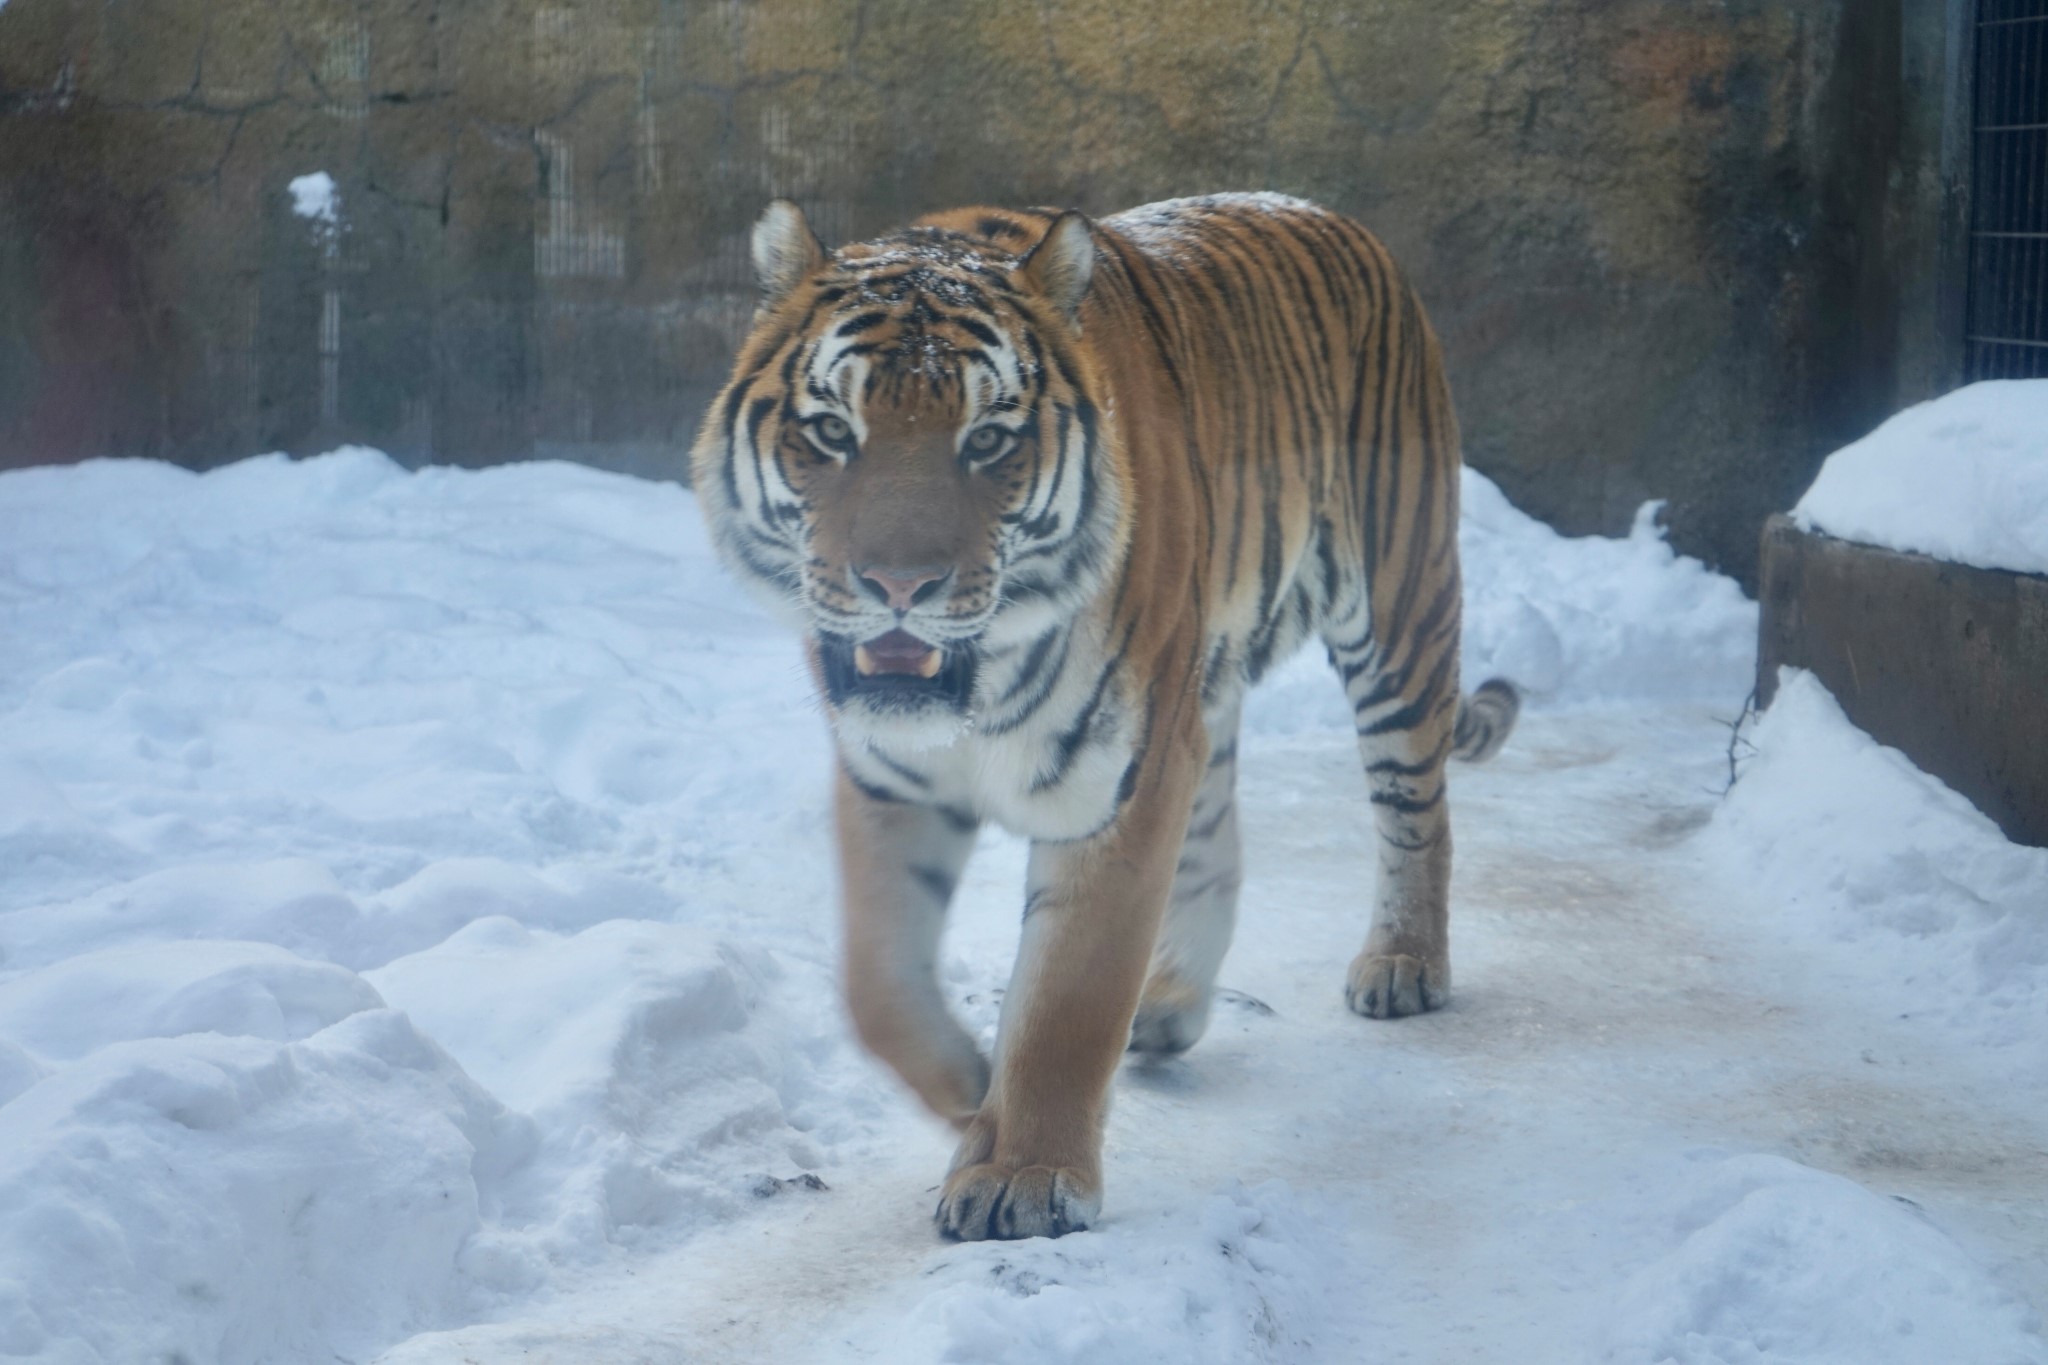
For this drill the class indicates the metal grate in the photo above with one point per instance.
(2006, 332)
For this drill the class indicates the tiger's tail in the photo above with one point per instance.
(1485, 719)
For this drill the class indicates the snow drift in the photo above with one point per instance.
(1572, 621)
(1771, 1261)
(417, 911)
(1897, 878)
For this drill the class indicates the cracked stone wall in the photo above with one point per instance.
(1676, 248)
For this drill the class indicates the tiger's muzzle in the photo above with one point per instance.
(898, 671)
(899, 643)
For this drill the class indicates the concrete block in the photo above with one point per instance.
(1946, 663)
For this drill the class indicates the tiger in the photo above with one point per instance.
(1045, 496)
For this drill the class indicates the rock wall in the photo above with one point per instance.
(1676, 248)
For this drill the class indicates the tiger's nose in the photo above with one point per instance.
(902, 589)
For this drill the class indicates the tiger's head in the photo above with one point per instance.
(915, 456)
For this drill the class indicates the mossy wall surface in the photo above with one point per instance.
(1675, 248)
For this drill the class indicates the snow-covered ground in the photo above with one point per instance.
(416, 943)
(1962, 477)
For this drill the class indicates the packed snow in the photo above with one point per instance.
(417, 945)
(1963, 477)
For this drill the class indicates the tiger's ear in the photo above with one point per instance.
(785, 250)
(1062, 263)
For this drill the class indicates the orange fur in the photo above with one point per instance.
(1130, 466)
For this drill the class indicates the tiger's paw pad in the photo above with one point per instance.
(1389, 985)
(994, 1203)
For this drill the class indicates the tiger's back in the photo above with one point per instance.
(1285, 421)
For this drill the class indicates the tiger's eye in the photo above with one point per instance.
(835, 430)
(985, 440)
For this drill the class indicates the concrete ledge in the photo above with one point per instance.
(1946, 663)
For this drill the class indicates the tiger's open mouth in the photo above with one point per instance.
(897, 668)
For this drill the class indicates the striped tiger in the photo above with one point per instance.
(1045, 496)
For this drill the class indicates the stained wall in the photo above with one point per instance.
(1676, 248)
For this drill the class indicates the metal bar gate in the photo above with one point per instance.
(2005, 334)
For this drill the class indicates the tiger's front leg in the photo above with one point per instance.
(1030, 1163)
(898, 866)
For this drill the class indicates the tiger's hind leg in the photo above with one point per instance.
(1201, 912)
(1405, 967)
(1404, 699)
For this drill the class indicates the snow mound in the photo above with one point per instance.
(298, 904)
(239, 1200)
(272, 726)
(293, 902)
(1590, 618)
(1963, 477)
(1779, 1264)
(1237, 1278)
(45, 843)
(1571, 620)
(633, 1045)
(169, 990)
(1863, 848)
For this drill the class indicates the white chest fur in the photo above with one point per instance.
(1056, 774)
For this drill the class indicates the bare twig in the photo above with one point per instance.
(1739, 746)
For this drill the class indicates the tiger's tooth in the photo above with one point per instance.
(863, 660)
(928, 666)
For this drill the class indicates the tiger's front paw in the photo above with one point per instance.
(1389, 985)
(988, 1201)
